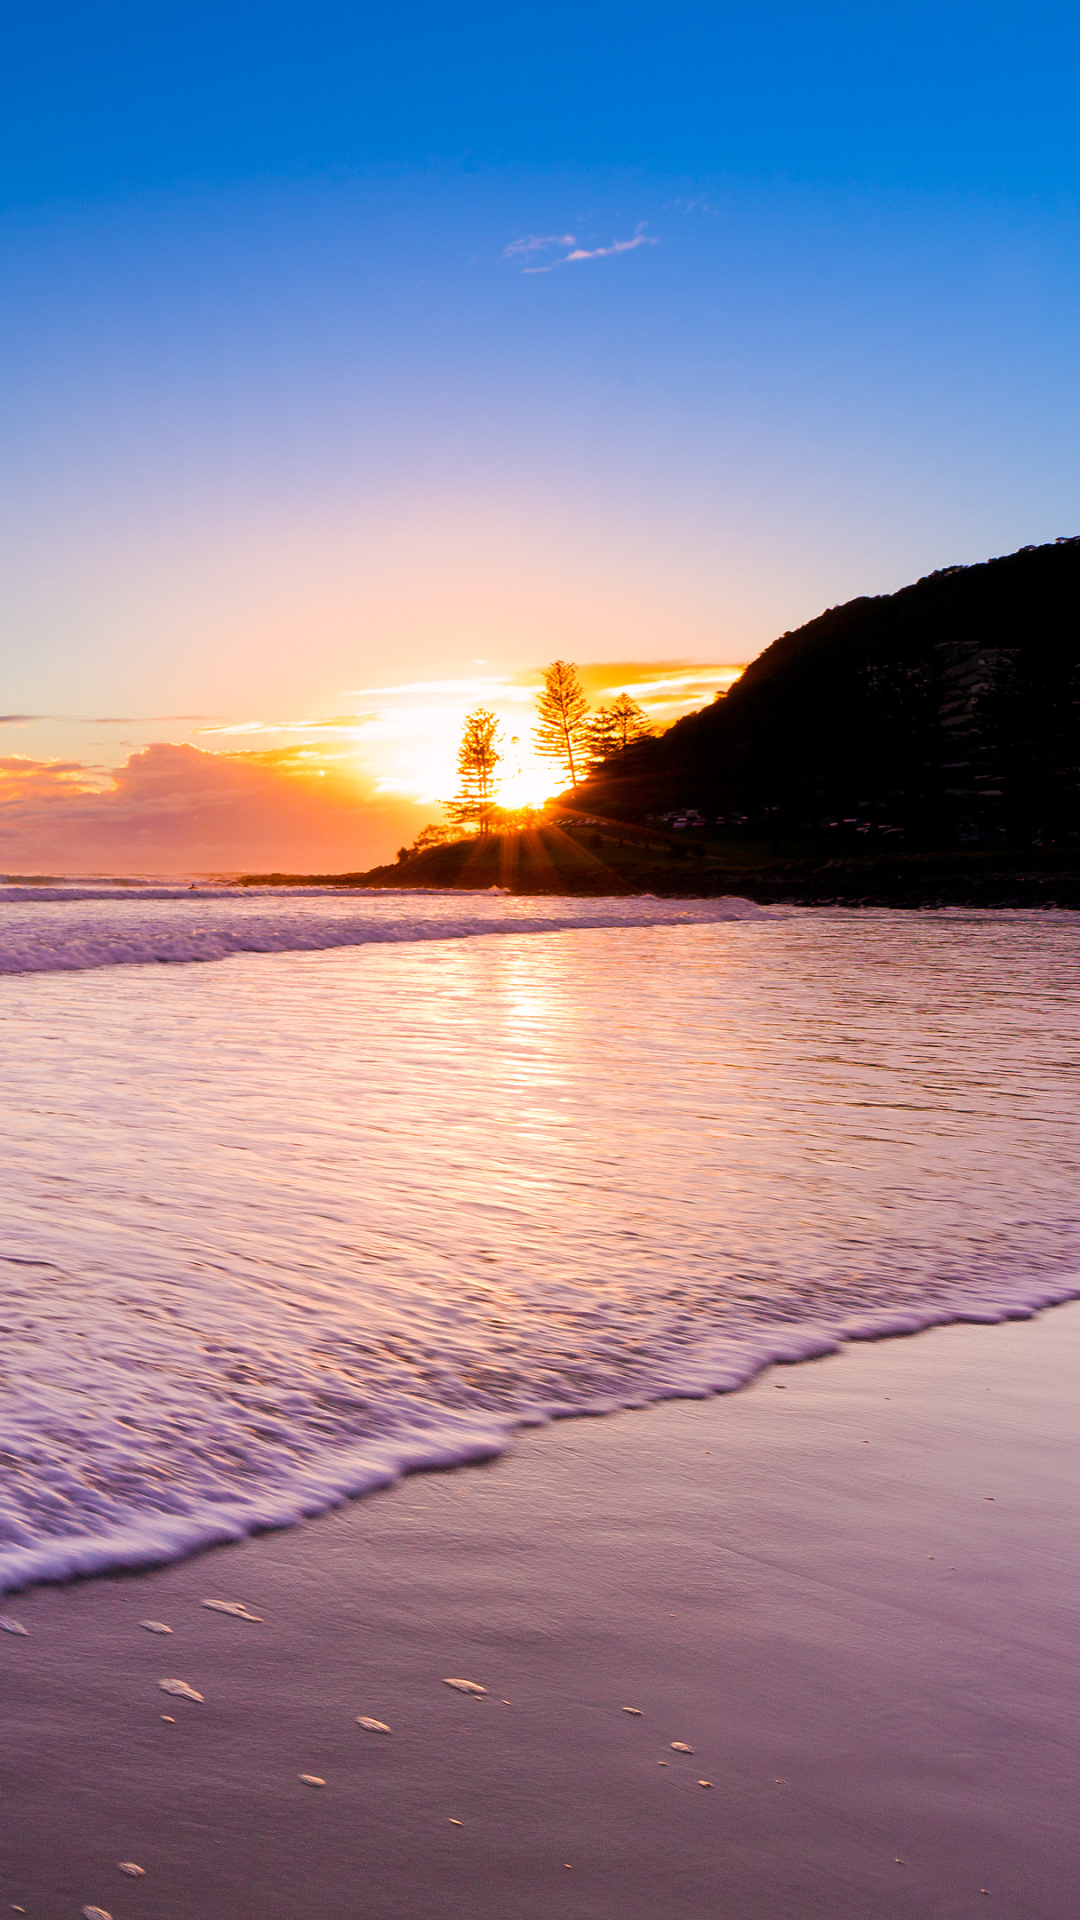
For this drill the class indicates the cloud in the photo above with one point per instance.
(665, 688)
(338, 723)
(698, 205)
(640, 239)
(540, 243)
(297, 806)
(179, 809)
(98, 719)
(537, 243)
(44, 773)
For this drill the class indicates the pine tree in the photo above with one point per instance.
(562, 710)
(478, 757)
(616, 727)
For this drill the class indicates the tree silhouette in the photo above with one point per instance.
(478, 757)
(562, 734)
(614, 728)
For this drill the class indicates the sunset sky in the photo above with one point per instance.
(359, 361)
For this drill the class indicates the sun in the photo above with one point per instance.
(523, 780)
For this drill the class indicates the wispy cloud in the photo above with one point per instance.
(336, 723)
(532, 244)
(697, 205)
(537, 243)
(97, 719)
(665, 688)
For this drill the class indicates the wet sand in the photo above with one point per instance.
(850, 1588)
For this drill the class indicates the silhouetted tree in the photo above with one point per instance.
(478, 757)
(614, 728)
(562, 734)
(435, 834)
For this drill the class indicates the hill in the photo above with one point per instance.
(947, 714)
(571, 854)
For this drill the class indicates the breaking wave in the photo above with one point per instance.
(70, 929)
(273, 1235)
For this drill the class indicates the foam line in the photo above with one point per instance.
(329, 1481)
(288, 922)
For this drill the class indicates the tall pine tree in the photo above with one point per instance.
(562, 732)
(478, 757)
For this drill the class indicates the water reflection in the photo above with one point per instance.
(272, 1227)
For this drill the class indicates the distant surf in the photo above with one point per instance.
(71, 927)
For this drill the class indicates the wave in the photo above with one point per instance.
(266, 1250)
(31, 893)
(152, 1539)
(62, 942)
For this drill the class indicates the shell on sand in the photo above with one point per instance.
(234, 1607)
(180, 1688)
(704, 1783)
(95, 1913)
(312, 1780)
(465, 1686)
(680, 1746)
(133, 1872)
(13, 1626)
(636, 1711)
(155, 1626)
(373, 1726)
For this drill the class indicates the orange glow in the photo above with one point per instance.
(402, 739)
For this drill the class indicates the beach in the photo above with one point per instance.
(539, 980)
(311, 1253)
(849, 1588)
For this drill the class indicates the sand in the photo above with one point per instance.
(850, 1589)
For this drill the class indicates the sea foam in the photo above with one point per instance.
(277, 1232)
(72, 928)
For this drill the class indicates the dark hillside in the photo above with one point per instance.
(572, 854)
(949, 710)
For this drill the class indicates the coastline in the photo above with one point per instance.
(848, 1588)
(610, 859)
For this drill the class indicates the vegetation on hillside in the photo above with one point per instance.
(919, 748)
(948, 713)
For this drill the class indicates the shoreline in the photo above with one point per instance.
(849, 1587)
(336, 1480)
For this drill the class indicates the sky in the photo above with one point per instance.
(356, 362)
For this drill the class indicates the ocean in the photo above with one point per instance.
(398, 1173)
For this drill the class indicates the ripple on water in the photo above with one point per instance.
(277, 1229)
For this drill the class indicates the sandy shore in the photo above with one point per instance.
(851, 1589)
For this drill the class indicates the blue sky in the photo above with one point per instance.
(111, 98)
(290, 411)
